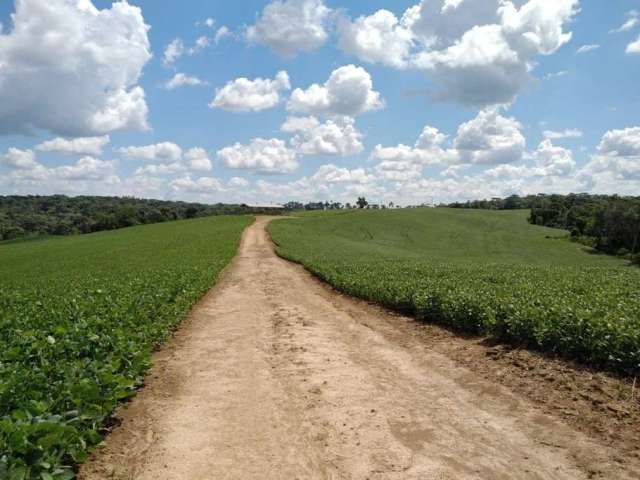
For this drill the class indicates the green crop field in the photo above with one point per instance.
(79, 318)
(484, 272)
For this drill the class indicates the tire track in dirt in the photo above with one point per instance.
(274, 376)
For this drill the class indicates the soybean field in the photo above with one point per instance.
(79, 319)
(482, 272)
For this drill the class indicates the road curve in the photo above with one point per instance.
(275, 376)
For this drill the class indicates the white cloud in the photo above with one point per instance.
(197, 159)
(398, 170)
(160, 169)
(80, 145)
(222, 33)
(262, 155)
(377, 38)
(634, 47)
(537, 27)
(551, 75)
(244, 95)
(490, 139)
(210, 22)
(508, 171)
(26, 169)
(479, 52)
(338, 136)
(617, 159)
(181, 80)
(289, 27)
(203, 185)
(87, 168)
(587, 49)
(404, 162)
(480, 69)
(430, 138)
(166, 152)
(72, 69)
(632, 21)
(202, 42)
(332, 174)
(19, 159)
(567, 133)
(553, 160)
(238, 182)
(621, 143)
(176, 49)
(173, 52)
(348, 91)
(299, 124)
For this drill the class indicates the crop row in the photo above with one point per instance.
(79, 318)
(591, 314)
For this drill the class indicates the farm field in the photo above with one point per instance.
(482, 272)
(79, 318)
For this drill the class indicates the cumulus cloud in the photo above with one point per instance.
(348, 91)
(334, 137)
(479, 52)
(567, 133)
(73, 69)
(489, 139)
(261, 155)
(587, 48)
(197, 159)
(289, 27)
(378, 38)
(407, 161)
(19, 159)
(87, 168)
(553, 160)
(508, 171)
(160, 169)
(201, 185)
(166, 152)
(238, 182)
(403, 163)
(244, 95)
(81, 145)
(634, 47)
(617, 157)
(621, 143)
(332, 174)
(181, 80)
(25, 168)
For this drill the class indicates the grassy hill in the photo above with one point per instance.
(79, 318)
(451, 235)
(485, 272)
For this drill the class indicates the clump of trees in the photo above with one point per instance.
(22, 216)
(609, 223)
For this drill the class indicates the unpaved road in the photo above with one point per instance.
(275, 376)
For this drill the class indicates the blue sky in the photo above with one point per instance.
(413, 100)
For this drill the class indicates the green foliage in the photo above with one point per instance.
(609, 222)
(481, 272)
(22, 216)
(79, 318)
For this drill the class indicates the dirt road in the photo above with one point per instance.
(275, 376)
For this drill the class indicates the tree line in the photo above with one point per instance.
(24, 216)
(609, 223)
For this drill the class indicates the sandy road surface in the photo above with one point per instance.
(275, 376)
